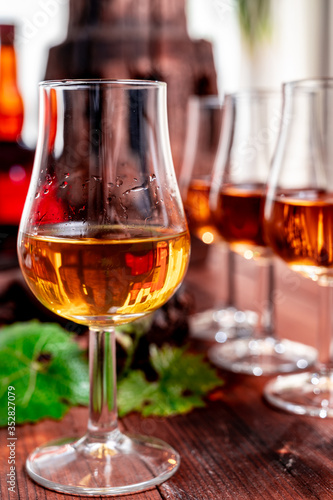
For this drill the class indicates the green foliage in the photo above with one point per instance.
(50, 374)
(183, 380)
(255, 20)
(47, 369)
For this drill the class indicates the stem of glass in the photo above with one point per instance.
(230, 301)
(325, 334)
(103, 382)
(265, 298)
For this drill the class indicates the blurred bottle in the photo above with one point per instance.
(15, 158)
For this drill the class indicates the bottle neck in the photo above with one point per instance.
(11, 102)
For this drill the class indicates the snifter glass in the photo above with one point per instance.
(204, 128)
(251, 122)
(103, 241)
(298, 223)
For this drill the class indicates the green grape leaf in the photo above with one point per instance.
(183, 380)
(176, 366)
(47, 369)
(50, 374)
(133, 391)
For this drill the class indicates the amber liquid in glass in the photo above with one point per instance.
(238, 216)
(300, 231)
(104, 279)
(198, 211)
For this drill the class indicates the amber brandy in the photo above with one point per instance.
(103, 279)
(299, 228)
(199, 217)
(238, 215)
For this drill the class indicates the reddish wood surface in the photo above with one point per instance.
(237, 447)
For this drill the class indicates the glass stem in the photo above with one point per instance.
(103, 382)
(231, 265)
(265, 299)
(325, 333)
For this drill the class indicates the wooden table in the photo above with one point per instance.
(237, 447)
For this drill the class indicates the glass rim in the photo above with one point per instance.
(212, 100)
(307, 84)
(253, 92)
(106, 82)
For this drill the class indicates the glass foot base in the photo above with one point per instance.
(302, 393)
(119, 465)
(228, 322)
(262, 356)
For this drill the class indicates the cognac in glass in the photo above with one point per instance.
(103, 241)
(299, 229)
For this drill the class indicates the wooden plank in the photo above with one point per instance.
(237, 447)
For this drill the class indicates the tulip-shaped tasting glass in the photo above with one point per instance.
(298, 223)
(237, 200)
(103, 240)
(204, 127)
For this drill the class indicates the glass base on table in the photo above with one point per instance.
(227, 322)
(119, 465)
(309, 393)
(262, 356)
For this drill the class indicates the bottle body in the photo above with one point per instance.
(16, 159)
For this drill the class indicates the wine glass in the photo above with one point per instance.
(103, 241)
(204, 124)
(298, 225)
(251, 124)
